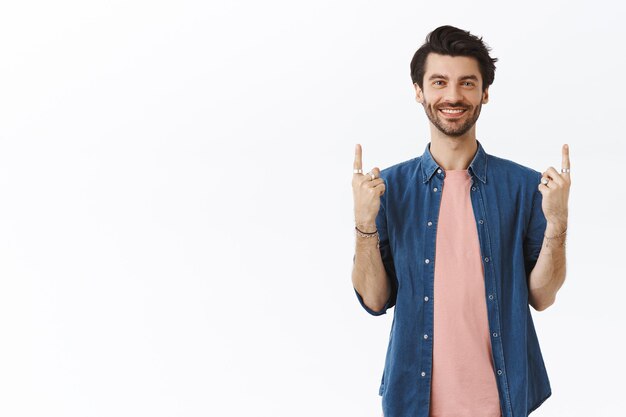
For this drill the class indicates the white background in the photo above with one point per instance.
(176, 218)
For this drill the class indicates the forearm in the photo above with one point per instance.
(369, 277)
(548, 275)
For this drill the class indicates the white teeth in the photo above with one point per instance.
(451, 111)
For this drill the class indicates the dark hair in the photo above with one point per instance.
(449, 40)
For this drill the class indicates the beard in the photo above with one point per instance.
(453, 127)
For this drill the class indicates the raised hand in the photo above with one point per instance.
(554, 188)
(366, 190)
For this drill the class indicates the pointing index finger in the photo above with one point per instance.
(358, 162)
(565, 161)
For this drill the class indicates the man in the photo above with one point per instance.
(461, 242)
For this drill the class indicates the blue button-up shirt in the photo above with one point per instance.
(511, 226)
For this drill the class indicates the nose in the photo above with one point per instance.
(453, 94)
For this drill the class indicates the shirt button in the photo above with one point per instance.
(423, 373)
(491, 296)
(439, 171)
(486, 259)
(427, 261)
(499, 371)
(481, 221)
(430, 223)
(425, 336)
(473, 188)
(495, 334)
(435, 189)
(426, 298)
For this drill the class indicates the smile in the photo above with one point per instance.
(452, 113)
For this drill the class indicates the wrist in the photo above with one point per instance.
(554, 229)
(373, 237)
(366, 227)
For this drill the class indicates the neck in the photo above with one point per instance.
(453, 153)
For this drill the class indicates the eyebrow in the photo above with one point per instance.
(445, 77)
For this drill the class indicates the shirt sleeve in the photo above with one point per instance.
(534, 231)
(387, 257)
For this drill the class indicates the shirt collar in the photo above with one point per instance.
(478, 166)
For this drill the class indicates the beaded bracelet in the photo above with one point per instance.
(369, 234)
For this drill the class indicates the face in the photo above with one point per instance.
(452, 83)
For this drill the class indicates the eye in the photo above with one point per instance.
(469, 82)
(437, 82)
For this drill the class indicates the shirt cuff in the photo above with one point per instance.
(369, 310)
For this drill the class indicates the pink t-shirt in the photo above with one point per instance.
(463, 378)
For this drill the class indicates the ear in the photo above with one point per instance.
(486, 96)
(419, 95)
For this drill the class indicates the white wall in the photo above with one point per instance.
(176, 219)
